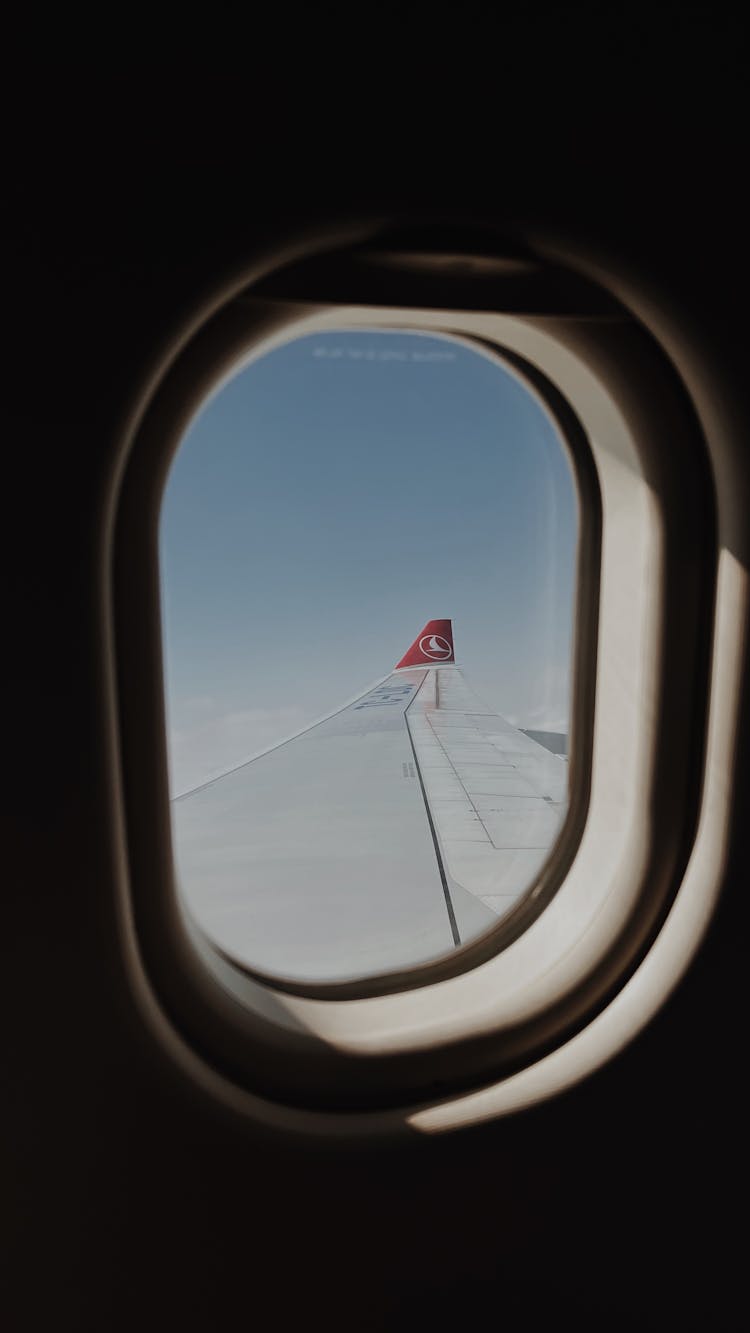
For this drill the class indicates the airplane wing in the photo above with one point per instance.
(383, 836)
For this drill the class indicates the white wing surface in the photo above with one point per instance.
(382, 837)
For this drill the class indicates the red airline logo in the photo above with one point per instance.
(434, 644)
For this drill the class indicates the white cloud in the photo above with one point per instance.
(207, 742)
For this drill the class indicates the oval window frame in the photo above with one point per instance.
(340, 1055)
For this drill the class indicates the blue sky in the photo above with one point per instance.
(331, 498)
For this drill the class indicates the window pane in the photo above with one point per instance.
(341, 498)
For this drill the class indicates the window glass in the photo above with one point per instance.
(368, 562)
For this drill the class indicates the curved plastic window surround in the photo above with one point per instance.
(517, 1010)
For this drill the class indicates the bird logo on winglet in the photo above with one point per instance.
(434, 645)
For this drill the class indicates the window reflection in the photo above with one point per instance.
(327, 503)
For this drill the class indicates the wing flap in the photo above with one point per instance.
(498, 798)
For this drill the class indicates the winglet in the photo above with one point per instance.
(432, 646)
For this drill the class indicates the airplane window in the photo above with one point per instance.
(368, 561)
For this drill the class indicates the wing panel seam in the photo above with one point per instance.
(433, 831)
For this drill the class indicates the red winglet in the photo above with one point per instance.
(432, 646)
